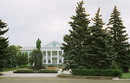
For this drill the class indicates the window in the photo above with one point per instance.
(44, 60)
(60, 61)
(49, 61)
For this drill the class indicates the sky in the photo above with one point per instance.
(48, 20)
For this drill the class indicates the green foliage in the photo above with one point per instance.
(111, 72)
(51, 65)
(22, 59)
(114, 65)
(4, 53)
(47, 71)
(87, 72)
(119, 40)
(16, 58)
(9, 69)
(13, 52)
(98, 50)
(126, 75)
(95, 47)
(31, 71)
(129, 60)
(24, 66)
(74, 46)
(37, 54)
(94, 72)
(24, 71)
(31, 58)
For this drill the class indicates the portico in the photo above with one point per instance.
(52, 53)
(52, 57)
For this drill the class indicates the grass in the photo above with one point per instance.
(126, 76)
(8, 69)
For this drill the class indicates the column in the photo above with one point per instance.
(46, 57)
(57, 57)
(51, 56)
(62, 57)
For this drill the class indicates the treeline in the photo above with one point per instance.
(16, 57)
(96, 46)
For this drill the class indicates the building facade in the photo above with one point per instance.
(52, 53)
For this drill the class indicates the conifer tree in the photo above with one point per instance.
(119, 39)
(100, 55)
(3, 44)
(74, 42)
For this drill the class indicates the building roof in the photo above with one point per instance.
(51, 45)
(28, 48)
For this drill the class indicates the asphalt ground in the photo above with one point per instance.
(55, 80)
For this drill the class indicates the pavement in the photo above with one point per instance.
(11, 74)
(10, 77)
(55, 80)
(30, 75)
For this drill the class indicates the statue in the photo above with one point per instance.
(38, 55)
(38, 44)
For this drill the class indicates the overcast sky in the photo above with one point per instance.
(48, 19)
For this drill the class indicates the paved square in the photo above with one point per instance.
(55, 80)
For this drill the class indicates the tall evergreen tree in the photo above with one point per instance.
(3, 44)
(74, 42)
(100, 55)
(119, 39)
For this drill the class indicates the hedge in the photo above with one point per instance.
(31, 71)
(24, 66)
(24, 71)
(47, 71)
(94, 72)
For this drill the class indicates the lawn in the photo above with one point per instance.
(8, 69)
(126, 76)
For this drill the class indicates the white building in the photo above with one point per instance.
(52, 53)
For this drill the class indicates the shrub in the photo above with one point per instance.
(24, 66)
(111, 72)
(47, 71)
(94, 72)
(24, 71)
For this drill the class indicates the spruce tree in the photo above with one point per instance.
(74, 42)
(99, 51)
(119, 39)
(3, 45)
